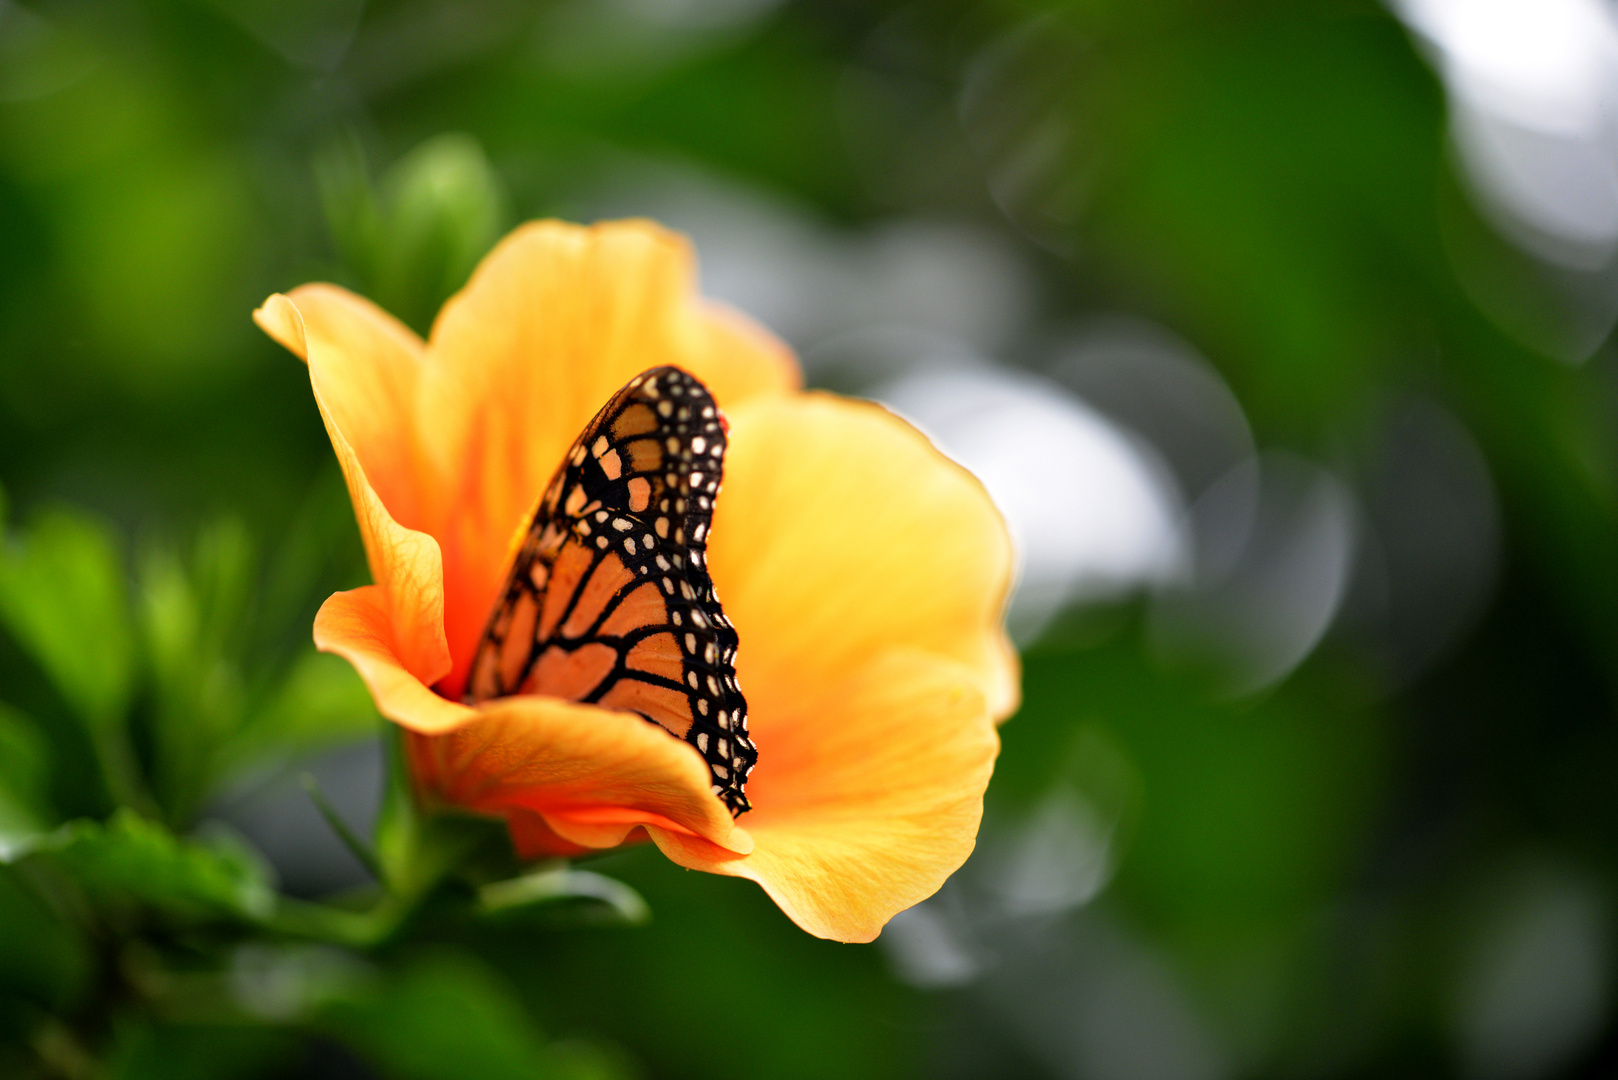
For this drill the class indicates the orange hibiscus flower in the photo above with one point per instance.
(864, 572)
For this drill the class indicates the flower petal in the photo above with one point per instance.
(592, 775)
(552, 323)
(356, 625)
(366, 368)
(868, 796)
(363, 372)
(841, 531)
(534, 839)
(736, 358)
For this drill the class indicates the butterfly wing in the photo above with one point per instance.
(609, 600)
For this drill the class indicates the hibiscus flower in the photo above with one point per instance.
(865, 575)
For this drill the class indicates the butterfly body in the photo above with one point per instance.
(609, 601)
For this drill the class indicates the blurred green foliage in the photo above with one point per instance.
(133, 860)
(413, 236)
(1340, 873)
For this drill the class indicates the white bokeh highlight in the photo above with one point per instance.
(1091, 511)
(1275, 554)
(1532, 86)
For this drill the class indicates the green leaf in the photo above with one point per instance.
(24, 768)
(191, 620)
(414, 238)
(132, 858)
(444, 206)
(62, 596)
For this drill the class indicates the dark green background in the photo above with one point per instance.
(1308, 878)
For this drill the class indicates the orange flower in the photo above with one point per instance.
(863, 571)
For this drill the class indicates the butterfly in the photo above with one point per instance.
(609, 600)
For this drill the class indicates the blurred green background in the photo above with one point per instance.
(1278, 328)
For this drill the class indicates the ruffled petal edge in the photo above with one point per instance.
(889, 810)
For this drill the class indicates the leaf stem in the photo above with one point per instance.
(338, 926)
(357, 847)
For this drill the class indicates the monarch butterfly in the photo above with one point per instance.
(609, 600)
